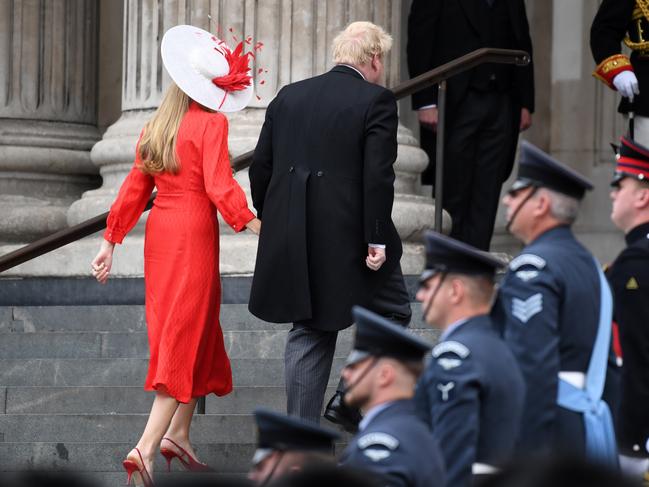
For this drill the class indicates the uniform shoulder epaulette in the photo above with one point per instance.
(369, 443)
(610, 67)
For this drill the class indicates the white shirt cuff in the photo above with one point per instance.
(427, 106)
(376, 246)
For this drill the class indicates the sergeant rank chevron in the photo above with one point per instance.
(524, 309)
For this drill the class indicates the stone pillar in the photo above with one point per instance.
(48, 93)
(297, 36)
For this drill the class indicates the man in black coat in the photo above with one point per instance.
(322, 184)
(486, 106)
(629, 279)
(617, 21)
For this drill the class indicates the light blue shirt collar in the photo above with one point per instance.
(452, 328)
(371, 414)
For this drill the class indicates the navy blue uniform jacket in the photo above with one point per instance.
(471, 395)
(398, 447)
(548, 306)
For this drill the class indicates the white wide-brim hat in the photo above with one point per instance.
(193, 57)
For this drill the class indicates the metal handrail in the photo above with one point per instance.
(432, 77)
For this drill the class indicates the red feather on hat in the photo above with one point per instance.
(237, 78)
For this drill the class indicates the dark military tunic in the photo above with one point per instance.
(617, 21)
(548, 307)
(398, 447)
(629, 278)
(471, 395)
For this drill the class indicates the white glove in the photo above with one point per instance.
(633, 467)
(627, 84)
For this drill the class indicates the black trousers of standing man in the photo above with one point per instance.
(478, 146)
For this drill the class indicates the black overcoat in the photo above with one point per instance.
(440, 31)
(322, 183)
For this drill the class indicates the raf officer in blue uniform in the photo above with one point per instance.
(554, 307)
(288, 444)
(472, 391)
(380, 375)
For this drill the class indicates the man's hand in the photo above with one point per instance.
(375, 258)
(254, 226)
(526, 120)
(428, 118)
(627, 84)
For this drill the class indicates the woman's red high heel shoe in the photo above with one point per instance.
(132, 466)
(189, 462)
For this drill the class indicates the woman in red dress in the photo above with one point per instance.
(183, 152)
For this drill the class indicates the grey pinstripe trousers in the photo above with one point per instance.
(309, 352)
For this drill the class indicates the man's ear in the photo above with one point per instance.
(386, 373)
(457, 290)
(541, 204)
(376, 59)
(642, 200)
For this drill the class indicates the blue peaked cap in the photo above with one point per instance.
(536, 168)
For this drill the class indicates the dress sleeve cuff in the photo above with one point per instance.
(242, 219)
(610, 67)
(113, 236)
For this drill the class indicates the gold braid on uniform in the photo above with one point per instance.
(641, 11)
(610, 67)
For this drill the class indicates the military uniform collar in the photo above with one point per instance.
(377, 410)
(637, 233)
(554, 232)
(451, 330)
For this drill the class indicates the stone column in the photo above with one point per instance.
(297, 35)
(48, 93)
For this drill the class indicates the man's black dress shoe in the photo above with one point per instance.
(341, 414)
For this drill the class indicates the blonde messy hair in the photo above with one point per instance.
(157, 149)
(359, 42)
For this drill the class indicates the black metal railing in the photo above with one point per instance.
(438, 76)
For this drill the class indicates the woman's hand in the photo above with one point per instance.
(254, 226)
(103, 261)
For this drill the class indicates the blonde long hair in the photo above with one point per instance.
(157, 149)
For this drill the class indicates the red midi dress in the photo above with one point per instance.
(181, 256)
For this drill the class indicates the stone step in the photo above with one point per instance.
(61, 428)
(103, 461)
(129, 372)
(121, 428)
(106, 457)
(125, 318)
(127, 400)
(260, 344)
(164, 479)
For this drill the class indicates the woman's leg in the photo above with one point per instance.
(178, 430)
(162, 412)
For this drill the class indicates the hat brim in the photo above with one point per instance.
(260, 455)
(356, 356)
(183, 43)
(521, 184)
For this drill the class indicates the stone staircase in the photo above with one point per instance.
(71, 392)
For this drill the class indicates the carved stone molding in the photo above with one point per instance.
(48, 92)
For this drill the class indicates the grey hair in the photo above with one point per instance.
(563, 207)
